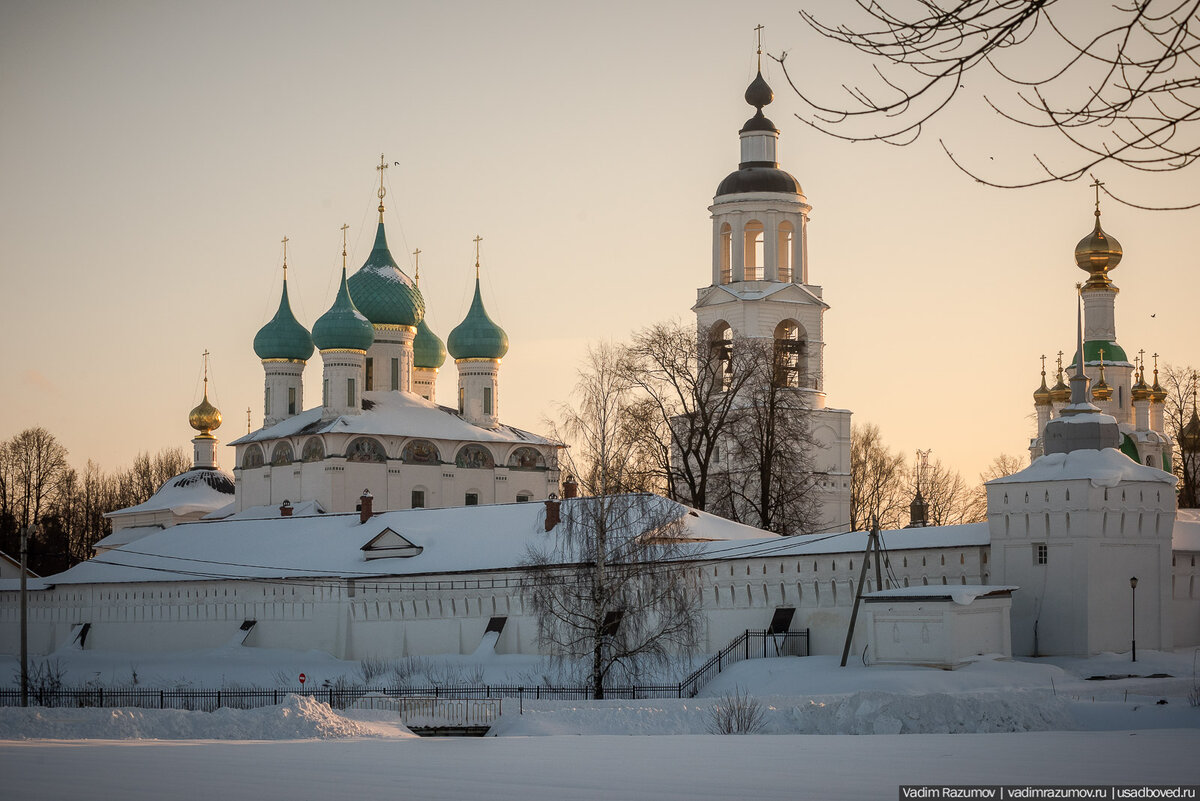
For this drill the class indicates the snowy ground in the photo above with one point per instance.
(993, 721)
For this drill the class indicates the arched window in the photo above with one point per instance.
(720, 344)
(365, 449)
(524, 497)
(314, 450)
(526, 458)
(421, 451)
(253, 457)
(726, 254)
(282, 454)
(789, 354)
(783, 253)
(475, 457)
(753, 254)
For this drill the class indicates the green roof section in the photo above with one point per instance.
(1113, 353)
(283, 337)
(429, 352)
(477, 336)
(382, 291)
(1129, 448)
(343, 327)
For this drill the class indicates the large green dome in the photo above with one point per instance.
(343, 327)
(283, 337)
(477, 337)
(428, 351)
(382, 292)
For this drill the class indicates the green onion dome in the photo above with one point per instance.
(382, 291)
(283, 337)
(477, 337)
(428, 351)
(343, 327)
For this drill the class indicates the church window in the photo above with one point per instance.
(789, 354)
(325, 392)
(784, 252)
(282, 454)
(1041, 554)
(421, 451)
(462, 400)
(291, 400)
(526, 458)
(395, 374)
(487, 400)
(752, 254)
(418, 499)
(365, 449)
(716, 453)
(267, 401)
(253, 457)
(726, 254)
(524, 497)
(474, 457)
(962, 559)
(720, 347)
(471, 499)
(314, 450)
(369, 378)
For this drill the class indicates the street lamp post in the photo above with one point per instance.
(1133, 614)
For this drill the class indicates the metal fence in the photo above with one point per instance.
(748, 645)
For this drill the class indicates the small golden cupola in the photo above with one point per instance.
(1140, 391)
(1098, 253)
(1060, 392)
(1157, 393)
(205, 418)
(1102, 391)
(1042, 395)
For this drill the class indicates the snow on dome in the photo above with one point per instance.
(199, 490)
(1104, 468)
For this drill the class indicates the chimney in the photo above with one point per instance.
(552, 517)
(286, 509)
(364, 506)
(570, 487)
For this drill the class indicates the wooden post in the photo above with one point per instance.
(872, 545)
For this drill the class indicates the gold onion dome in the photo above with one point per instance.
(1042, 395)
(1060, 392)
(1098, 254)
(1141, 390)
(1157, 393)
(205, 417)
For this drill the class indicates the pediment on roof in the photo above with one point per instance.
(787, 293)
(389, 544)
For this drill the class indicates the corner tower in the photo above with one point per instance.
(759, 289)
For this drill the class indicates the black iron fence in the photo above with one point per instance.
(748, 645)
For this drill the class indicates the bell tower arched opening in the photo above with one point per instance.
(785, 239)
(753, 252)
(790, 343)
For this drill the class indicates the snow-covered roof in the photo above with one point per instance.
(1104, 468)
(461, 539)
(962, 594)
(1186, 534)
(125, 536)
(198, 490)
(965, 535)
(300, 509)
(399, 414)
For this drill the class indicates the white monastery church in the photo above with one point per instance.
(382, 524)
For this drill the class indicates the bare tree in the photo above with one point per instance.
(877, 480)
(1181, 386)
(39, 465)
(688, 392)
(1117, 82)
(949, 499)
(611, 584)
(1003, 465)
(767, 479)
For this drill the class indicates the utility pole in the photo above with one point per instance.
(24, 617)
(872, 545)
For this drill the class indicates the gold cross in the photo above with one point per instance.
(1096, 184)
(382, 166)
(285, 241)
(417, 263)
(205, 355)
(247, 419)
(477, 240)
(1043, 364)
(345, 228)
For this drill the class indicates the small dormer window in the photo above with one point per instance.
(389, 544)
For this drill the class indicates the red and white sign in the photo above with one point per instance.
(303, 678)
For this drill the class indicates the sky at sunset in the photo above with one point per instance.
(154, 155)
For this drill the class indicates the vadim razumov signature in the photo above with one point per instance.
(1026, 792)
